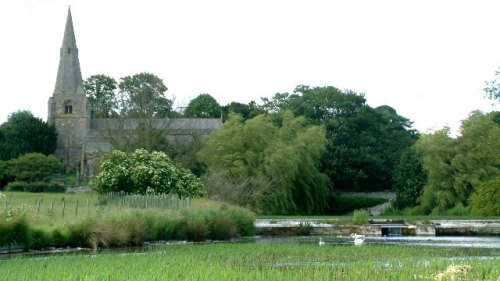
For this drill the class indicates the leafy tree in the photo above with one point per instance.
(143, 172)
(409, 180)
(492, 88)
(24, 133)
(100, 91)
(484, 201)
(286, 156)
(364, 144)
(33, 166)
(247, 111)
(143, 96)
(457, 167)
(203, 106)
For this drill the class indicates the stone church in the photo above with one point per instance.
(82, 139)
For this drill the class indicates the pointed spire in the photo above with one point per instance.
(69, 76)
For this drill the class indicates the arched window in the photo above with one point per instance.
(68, 109)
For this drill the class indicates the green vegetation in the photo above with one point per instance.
(456, 167)
(271, 165)
(203, 106)
(260, 262)
(42, 220)
(24, 133)
(142, 172)
(344, 204)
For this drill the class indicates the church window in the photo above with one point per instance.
(69, 50)
(68, 109)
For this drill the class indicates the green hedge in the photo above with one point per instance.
(345, 204)
(38, 186)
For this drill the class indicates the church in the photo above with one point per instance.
(82, 139)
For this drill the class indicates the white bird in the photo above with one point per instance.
(358, 238)
(321, 242)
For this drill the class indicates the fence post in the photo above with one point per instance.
(51, 207)
(37, 207)
(63, 208)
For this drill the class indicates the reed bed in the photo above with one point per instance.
(232, 261)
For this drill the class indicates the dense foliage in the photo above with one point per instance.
(409, 179)
(285, 156)
(485, 200)
(364, 144)
(203, 106)
(456, 167)
(100, 91)
(24, 133)
(143, 172)
(33, 167)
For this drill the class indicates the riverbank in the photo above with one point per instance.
(379, 227)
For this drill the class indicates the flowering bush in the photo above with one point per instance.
(143, 172)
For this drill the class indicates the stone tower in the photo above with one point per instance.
(68, 109)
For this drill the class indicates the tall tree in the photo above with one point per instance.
(143, 96)
(100, 90)
(203, 106)
(364, 144)
(456, 167)
(286, 156)
(24, 133)
(142, 120)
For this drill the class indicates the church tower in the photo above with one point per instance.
(68, 109)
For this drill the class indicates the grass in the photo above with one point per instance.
(23, 223)
(282, 261)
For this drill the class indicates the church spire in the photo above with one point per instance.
(69, 76)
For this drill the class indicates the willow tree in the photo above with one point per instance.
(286, 156)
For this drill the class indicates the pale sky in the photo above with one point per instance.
(426, 59)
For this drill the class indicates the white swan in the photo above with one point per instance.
(321, 242)
(358, 238)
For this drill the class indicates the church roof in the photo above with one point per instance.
(69, 76)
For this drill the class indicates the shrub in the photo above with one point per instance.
(143, 172)
(38, 186)
(343, 204)
(195, 226)
(484, 201)
(40, 239)
(360, 217)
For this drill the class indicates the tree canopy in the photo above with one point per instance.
(285, 155)
(364, 144)
(203, 106)
(143, 96)
(100, 90)
(457, 167)
(24, 133)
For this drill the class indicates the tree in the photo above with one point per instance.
(142, 115)
(484, 201)
(492, 88)
(247, 111)
(143, 96)
(286, 156)
(24, 133)
(364, 144)
(33, 167)
(409, 180)
(100, 91)
(203, 106)
(457, 167)
(142, 172)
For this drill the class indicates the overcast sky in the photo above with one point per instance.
(426, 59)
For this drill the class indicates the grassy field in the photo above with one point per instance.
(231, 261)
